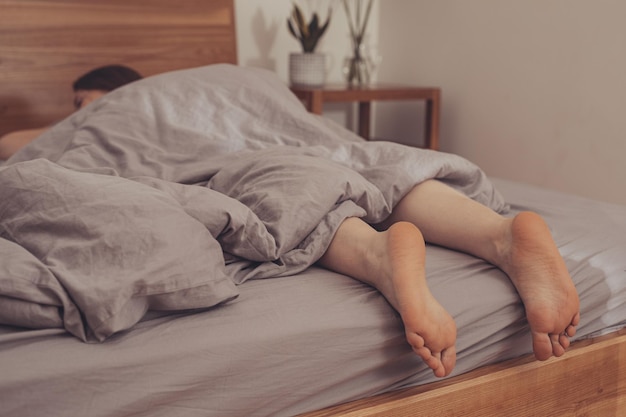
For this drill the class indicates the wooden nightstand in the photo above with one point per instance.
(315, 97)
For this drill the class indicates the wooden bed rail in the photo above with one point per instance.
(589, 380)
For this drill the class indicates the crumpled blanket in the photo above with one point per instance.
(169, 192)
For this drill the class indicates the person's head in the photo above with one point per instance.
(100, 81)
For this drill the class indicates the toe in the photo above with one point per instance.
(557, 348)
(542, 346)
(433, 361)
(448, 359)
(440, 372)
(564, 341)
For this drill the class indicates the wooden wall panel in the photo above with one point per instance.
(46, 44)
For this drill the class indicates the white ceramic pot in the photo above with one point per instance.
(307, 69)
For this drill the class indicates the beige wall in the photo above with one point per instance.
(264, 41)
(533, 90)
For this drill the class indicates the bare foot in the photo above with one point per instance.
(393, 262)
(429, 329)
(538, 271)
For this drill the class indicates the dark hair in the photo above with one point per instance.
(106, 78)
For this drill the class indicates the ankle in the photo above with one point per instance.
(501, 245)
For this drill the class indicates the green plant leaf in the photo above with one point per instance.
(314, 24)
(308, 34)
(299, 17)
(291, 29)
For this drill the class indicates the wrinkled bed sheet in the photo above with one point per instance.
(169, 192)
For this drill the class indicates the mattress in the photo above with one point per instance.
(297, 343)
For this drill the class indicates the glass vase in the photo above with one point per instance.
(356, 68)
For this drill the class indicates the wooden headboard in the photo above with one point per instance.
(46, 44)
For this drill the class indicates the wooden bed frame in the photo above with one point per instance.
(46, 44)
(589, 380)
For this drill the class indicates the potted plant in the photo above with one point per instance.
(307, 68)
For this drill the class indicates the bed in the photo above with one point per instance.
(280, 338)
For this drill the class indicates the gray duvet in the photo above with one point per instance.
(168, 193)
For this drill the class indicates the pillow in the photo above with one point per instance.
(115, 247)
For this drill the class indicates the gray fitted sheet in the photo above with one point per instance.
(293, 344)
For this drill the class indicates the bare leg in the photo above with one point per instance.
(521, 246)
(393, 262)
